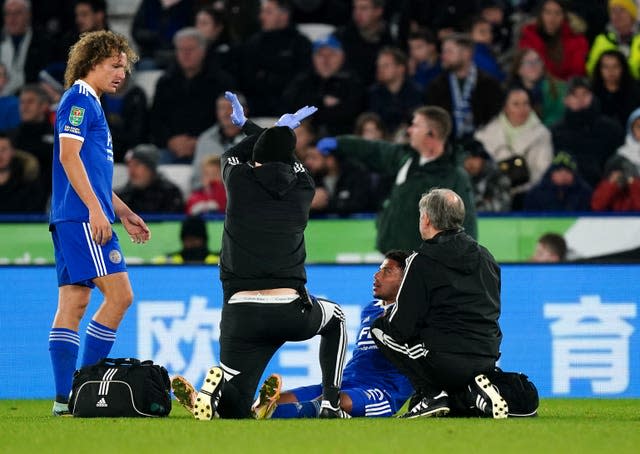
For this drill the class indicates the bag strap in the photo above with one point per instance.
(120, 362)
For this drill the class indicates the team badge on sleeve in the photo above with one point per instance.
(76, 115)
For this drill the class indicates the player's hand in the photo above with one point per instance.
(136, 228)
(237, 116)
(293, 120)
(100, 227)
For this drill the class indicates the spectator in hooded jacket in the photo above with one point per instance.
(590, 137)
(619, 190)
(563, 50)
(631, 147)
(491, 188)
(561, 188)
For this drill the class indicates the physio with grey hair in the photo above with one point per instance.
(443, 333)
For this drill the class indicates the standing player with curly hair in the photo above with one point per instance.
(83, 207)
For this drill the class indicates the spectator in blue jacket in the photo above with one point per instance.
(561, 188)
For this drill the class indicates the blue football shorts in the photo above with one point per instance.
(79, 259)
(367, 401)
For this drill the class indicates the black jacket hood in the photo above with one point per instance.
(452, 251)
(277, 178)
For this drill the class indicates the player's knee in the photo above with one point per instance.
(126, 299)
(120, 299)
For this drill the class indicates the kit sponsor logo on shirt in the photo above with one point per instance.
(72, 129)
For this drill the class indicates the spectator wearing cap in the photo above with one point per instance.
(622, 33)
(329, 85)
(364, 36)
(195, 245)
(393, 96)
(271, 58)
(517, 132)
(562, 48)
(424, 61)
(491, 188)
(588, 135)
(470, 95)
(561, 189)
(147, 190)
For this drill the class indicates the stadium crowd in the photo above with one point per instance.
(543, 96)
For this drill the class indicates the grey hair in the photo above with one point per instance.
(444, 208)
(190, 32)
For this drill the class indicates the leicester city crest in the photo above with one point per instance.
(76, 115)
(115, 256)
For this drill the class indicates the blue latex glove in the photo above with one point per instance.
(237, 116)
(327, 145)
(293, 120)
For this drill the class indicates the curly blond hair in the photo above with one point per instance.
(91, 49)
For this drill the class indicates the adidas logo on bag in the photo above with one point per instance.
(101, 403)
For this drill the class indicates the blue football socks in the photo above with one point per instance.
(308, 409)
(98, 342)
(63, 349)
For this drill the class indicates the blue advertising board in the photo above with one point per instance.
(571, 328)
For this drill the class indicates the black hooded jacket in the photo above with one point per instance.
(267, 212)
(450, 297)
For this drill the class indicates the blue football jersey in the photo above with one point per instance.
(80, 117)
(369, 367)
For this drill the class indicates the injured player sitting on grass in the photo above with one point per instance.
(371, 385)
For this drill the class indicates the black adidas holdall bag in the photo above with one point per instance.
(120, 387)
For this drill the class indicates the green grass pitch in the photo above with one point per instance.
(563, 426)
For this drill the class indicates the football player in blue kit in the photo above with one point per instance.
(371, 385)
(83, 208)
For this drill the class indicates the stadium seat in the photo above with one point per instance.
(178, 174)
(147, 81)
(316, 31)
